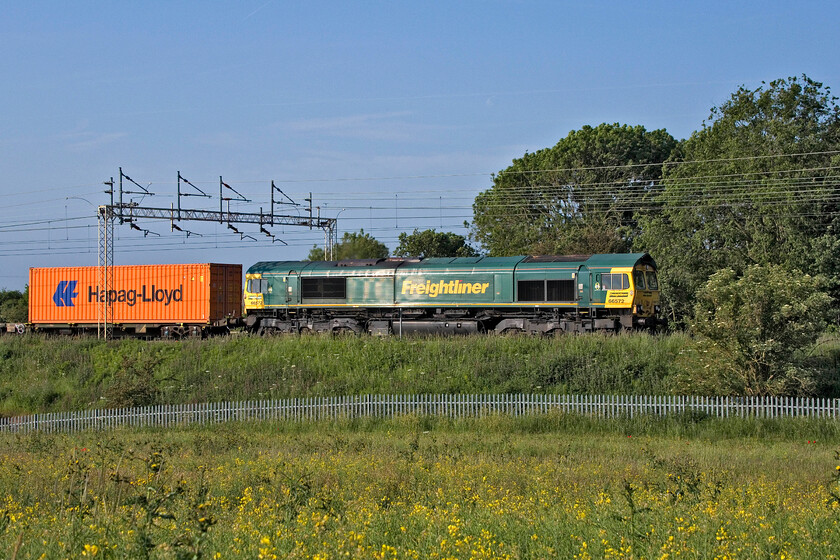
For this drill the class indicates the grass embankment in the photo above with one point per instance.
(539, 487)
(39, 374)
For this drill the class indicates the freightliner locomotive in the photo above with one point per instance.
(529, 295)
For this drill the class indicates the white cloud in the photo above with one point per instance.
(393, 126)
(84, 141)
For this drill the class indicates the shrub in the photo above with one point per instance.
(761, 323)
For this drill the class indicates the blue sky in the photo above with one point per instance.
(394, 115)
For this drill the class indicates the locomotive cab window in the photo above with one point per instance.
(323, 288)
(257, 286)
(615, 282)
(652, 282)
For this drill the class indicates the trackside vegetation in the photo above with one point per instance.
(43, 374)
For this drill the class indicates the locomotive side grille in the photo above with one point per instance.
(546, 290)
(561, 290)
(531, 290)
(323, 288)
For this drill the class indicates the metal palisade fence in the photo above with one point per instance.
(451, 406)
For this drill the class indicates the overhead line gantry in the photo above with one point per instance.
(129, 212)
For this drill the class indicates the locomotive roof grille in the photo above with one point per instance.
(359, 262)
(556, 258)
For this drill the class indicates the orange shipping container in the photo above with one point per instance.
(143, 294)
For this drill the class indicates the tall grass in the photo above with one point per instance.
(48, 374)
(40, 374)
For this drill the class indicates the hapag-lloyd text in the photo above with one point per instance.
(132, 297)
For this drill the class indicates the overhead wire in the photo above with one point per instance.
(508, 171)
(804, 190)
(684, 183)
(804, 187)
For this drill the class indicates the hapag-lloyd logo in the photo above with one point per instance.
(145, 294)
(65, 293)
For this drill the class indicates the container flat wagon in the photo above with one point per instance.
(171, 300)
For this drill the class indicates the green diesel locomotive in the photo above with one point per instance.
(534, 295)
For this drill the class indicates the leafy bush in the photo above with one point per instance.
(14, 306)
(758, 327)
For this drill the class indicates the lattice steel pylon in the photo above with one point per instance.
(130, 212)
(105, 272)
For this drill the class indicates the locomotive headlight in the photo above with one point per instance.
(657, 309)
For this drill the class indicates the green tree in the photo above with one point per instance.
(761, 322)
(359, 245)
(579, 196)
(758, 184)
(14, 306)
(431, 243)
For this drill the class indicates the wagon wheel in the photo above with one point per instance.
(195, 332)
